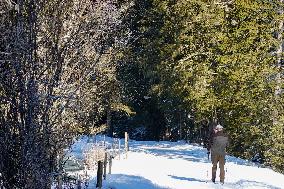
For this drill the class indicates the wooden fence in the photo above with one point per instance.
(97, 157)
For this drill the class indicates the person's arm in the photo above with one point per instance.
(228, 142)
(210, 141)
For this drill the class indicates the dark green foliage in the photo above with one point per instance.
(213, 60)
(138, 70)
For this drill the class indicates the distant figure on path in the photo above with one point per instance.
(217, 145)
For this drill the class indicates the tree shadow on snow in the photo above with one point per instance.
(192, 153)
(187, 179)
(117, 181)
(239, 184)
(248, 183)
(172, 151)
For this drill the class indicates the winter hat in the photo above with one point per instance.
(219, 127)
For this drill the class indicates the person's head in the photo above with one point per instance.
(218, 128)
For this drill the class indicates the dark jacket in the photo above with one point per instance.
(218, 143)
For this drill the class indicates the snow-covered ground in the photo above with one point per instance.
(177, 165)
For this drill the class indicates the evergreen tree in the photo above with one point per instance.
(221, 63)
(138, 69)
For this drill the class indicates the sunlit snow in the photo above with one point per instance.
(178, 165)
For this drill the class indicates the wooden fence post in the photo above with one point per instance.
(105, 165)
(126, 144)
(60, 171)
(119, 149)
(99, 175)
(109, 164)
(96, 154)
(112, 144)
(104, 141)
(79, 186)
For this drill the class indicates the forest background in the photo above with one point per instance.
(158, 69)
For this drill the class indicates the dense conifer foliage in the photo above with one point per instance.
(159, 69)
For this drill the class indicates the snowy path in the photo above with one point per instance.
(169, 165)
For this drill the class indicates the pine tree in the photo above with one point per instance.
(223, 65)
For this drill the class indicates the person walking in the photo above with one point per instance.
(217, 145)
